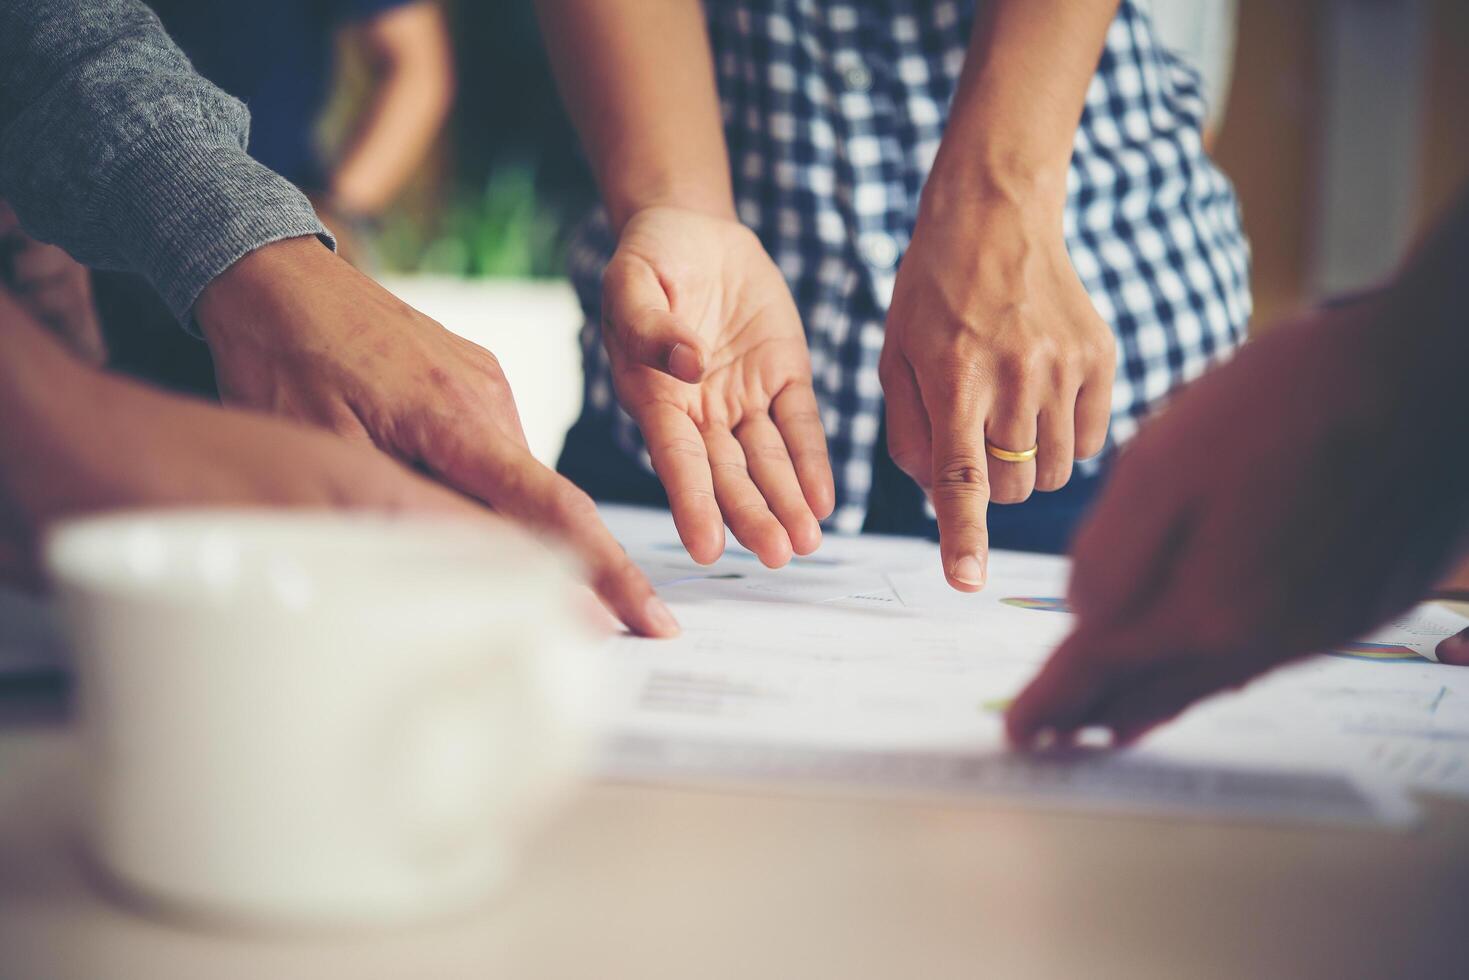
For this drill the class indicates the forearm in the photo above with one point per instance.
(112, 147)
(413, 92)
(1019, 101)
(638, 78)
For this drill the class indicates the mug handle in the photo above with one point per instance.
(480, 747)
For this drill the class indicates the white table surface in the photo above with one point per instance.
(651, 883)
(639, 882)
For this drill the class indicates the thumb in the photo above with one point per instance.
(640, 326)
(1455, 650)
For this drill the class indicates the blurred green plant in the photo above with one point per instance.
(505, 229)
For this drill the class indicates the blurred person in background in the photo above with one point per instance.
(965, 236)
(1290, 501)
(278, 57)
(114, 149)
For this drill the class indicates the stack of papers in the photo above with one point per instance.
(859, 667)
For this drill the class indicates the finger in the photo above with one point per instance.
(69, 312)
(1081, 675)
(1455, 650)
(38, 263)
(961, 489)
(1012, 426)
(744, 509)
(1056, 437)
(682, 463)
(799, 421)
(1093, 415)
(8, 221)
(910, 442)
(641, 326)
(516, 485)
(775, 477)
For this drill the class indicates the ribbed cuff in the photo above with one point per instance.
(192, 204)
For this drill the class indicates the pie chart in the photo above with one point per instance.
(1042, 603)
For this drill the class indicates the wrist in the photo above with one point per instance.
(988, 169)
(700, 197)
(255, 279)
(987, 199)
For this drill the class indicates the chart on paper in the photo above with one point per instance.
(860, 663)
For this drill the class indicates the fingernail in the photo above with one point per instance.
(660, 616)
(684, 363)
(969, 570)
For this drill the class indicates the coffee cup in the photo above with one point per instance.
(313, 718)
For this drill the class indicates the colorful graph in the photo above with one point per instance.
(1389, 653)
(1042, 603)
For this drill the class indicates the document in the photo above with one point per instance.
(859, 667)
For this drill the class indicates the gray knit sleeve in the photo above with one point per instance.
(112, 147)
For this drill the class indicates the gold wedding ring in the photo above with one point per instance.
(1024, 456)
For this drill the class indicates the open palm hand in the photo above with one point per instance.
(708, 356)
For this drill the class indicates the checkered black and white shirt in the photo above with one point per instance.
(833, 112)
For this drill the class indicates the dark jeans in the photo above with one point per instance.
(1044, 523)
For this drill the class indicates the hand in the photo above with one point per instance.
(1262, 517)
(990, 337)
(52, 287)
(297, 331)
(77, 441)
(709, 358)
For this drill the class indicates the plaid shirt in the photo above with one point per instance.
(833, 113)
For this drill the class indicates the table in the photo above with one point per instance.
(651, 883)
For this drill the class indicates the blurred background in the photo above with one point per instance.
(430, 136)
(1342, 122)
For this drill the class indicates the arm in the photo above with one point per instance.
(638, 79)
(112, 147)
(991, 337)
(413, 88)
(706, 345)
(1291, 500)
(75, 440)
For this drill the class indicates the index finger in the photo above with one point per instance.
(514, 483)
(961, 488)
(1075, 682)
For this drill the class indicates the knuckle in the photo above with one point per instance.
(1006, 493)
(1028, 363)
(574, 505)
(683, 447)
(769, 452)
(1101, 348)
(963, 473)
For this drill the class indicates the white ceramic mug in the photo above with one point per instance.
(305, 718)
